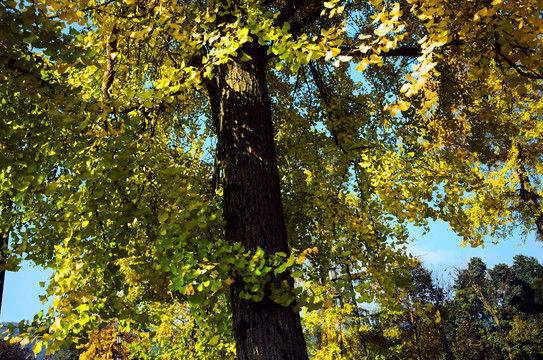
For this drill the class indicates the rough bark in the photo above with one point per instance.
(252, 205)
(4, 242)
(109, 73)
(4, 238)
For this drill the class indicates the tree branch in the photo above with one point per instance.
(405, 51)
(518, 68)
(297, 26)
(11, 64)
(111, 54)
(288, 11)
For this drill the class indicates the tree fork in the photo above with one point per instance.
(252, 205)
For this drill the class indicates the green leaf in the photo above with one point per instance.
(50, 189)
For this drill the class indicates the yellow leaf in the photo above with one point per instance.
(327, 304)
(426, 67)
(245, 57)
(335, 51)
(394, 110)
(37, 348)
(383, 29)
(362, 66)
(56, 325)
(396, 10)
(55, 6)
(214, 340)
(189, 290)
(376, 59)
(229, 281)
(404, 105)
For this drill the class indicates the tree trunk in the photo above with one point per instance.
(528, 195)
(252, 205)
(4, 242)
(488, 306)
(4, 237)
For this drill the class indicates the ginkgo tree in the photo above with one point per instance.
(209, 153)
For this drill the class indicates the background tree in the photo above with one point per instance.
(525, 337)
(489, 303)
(179, 336)
(13, 350)
(102, 344)
(67, 354)
(412, 318)
(335, 333)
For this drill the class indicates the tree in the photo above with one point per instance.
(412, 318)
(472, 342)
(67, 354)
(479, 289)
(525, 293)
(209, 152)
(494, 301)
(525, 337)
(103, 344)
(335, 333)
(13, 351)
(178, 336)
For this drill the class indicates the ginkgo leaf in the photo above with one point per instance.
(383, 29)
(396, 10)
(404, 105)
(214, 340)
(189, 290)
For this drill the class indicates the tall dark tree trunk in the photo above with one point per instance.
(4, 242)
(527, 194)
(252, 201)
(4, 238)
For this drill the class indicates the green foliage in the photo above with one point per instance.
(102, 344)
(334, 333)
(423, 320)
(409, 322)
(489, 306)
(473, 343)
(525, 337)
(180, 336)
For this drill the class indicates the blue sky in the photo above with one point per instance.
(439, 250)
